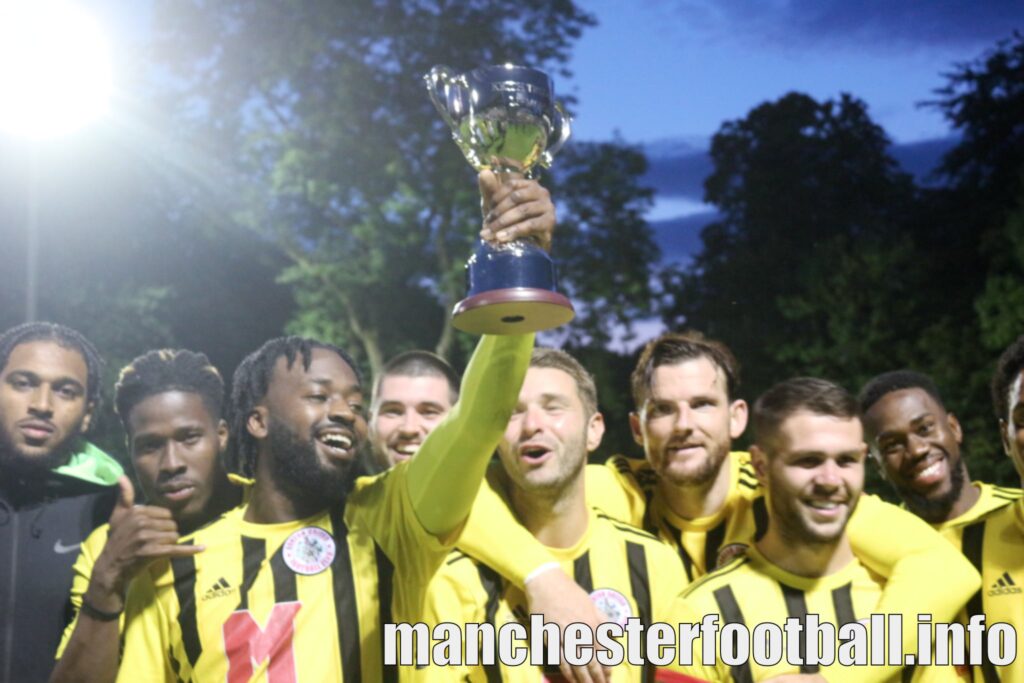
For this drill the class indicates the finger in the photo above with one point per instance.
(170, 550)
(518, 212)
(530, 188)
(152, 512)
(489, 185)
(157, 525)
(508, 198)
(125, 493)
(539, 229)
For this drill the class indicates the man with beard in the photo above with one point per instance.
(55, 487)
(412, 394)
(297, 582)
(170, 404)
(917, 445)
(707, 502)
(808, 454)
(628, 573)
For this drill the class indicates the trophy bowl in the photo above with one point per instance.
(504, 118)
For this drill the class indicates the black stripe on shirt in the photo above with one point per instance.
(491, 583)
(184, 569)
(254, 551)
(760, 518)
(972, 544)
(346, 611)
(285, 586)
(385, 590)
(842, 603)
(640, 586)
(683, 555)
(581, 572)
(731, 614)
(796, 607)
(712, 542)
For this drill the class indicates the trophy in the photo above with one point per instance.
(504, 118)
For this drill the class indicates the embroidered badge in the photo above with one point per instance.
(728, 553)
(612, 604)
(309, 551)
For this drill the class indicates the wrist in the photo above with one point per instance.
(542, 569)
(98, 614)
(104, 595)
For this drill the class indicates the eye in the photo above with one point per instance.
(430, 412)
(702, 403)
(316, 398)
(192, 438)
(391, 411)
(660, 409)
(358, 408)
(19, 383)
(68, 392)
(925, 429)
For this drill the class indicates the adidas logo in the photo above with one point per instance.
(220, 589)
(1004, 586)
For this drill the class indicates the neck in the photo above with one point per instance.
(271, 503)
(693, 501)
(557, 519)
(802, 558)
(224, 497)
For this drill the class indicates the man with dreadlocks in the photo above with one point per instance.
(298, 582)
(170, 404)
(55, 487)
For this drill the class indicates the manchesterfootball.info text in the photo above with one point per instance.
(873, 641)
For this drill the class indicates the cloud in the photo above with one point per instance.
(882, 23)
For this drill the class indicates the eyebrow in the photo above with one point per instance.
(28, 374)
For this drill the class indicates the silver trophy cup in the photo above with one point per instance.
(505, 118)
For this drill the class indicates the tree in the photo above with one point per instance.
(335, 155)
(800, 185)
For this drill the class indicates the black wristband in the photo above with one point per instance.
(98, 614)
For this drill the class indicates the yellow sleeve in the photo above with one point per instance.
(518, 553)
(614, 489)
(445, 475)
(82, 573)
(906, 551)
(146, 636)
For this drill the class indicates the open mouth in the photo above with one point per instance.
(534, 455)
(826, 508)
(929, 472)
(337, 444)
(406, 450)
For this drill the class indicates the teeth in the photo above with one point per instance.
(824, 505)
(929, 471)
(336, 440)
(408, 449)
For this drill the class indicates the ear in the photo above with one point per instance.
(595, 431)
(222, 435)
(87, 420)
(954, 426)
(1005, 438)
(738, 415)
(636, 428)
(257, 421)
(759, 461)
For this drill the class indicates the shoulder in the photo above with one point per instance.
(628, 532)
(737, 572)
(635, 468)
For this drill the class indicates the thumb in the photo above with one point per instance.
(126, 495)
(489, 185)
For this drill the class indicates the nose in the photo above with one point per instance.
(917, 447)
(171, 461)
(42, 401)
(411, 423)
(339, 410)
(531, 421)
(684, 418)
(828, 475)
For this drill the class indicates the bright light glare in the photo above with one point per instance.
(54, 68)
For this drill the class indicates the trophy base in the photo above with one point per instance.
(516, 310)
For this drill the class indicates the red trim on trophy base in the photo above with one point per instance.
(516, 310)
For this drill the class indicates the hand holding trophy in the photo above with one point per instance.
(504, 118)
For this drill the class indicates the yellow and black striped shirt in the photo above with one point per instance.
(991, 498)
(750, 590)
(628, 573)
(995, 546)
(302, 600)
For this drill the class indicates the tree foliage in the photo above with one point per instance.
(338, 157)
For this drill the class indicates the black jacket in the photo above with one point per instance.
(42, 523)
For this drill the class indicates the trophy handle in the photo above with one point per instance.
(439, 81)
(559, 134)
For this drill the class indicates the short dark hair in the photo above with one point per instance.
(1008, 368)
(809, 394)
(560, 360)
(676, 347)
(62, 336)
(157, 372)
(896, 380)
(250, 384)
(419, 364)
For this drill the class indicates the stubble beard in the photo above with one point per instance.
(17, 463)
(935, 510)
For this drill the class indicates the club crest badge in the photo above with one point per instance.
(729, 553)
(309, 551)
(612, 604)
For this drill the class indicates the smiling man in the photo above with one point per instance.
(412, 394)
(809, 455)
(916, 441)
(170, 404)
(55, 487)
